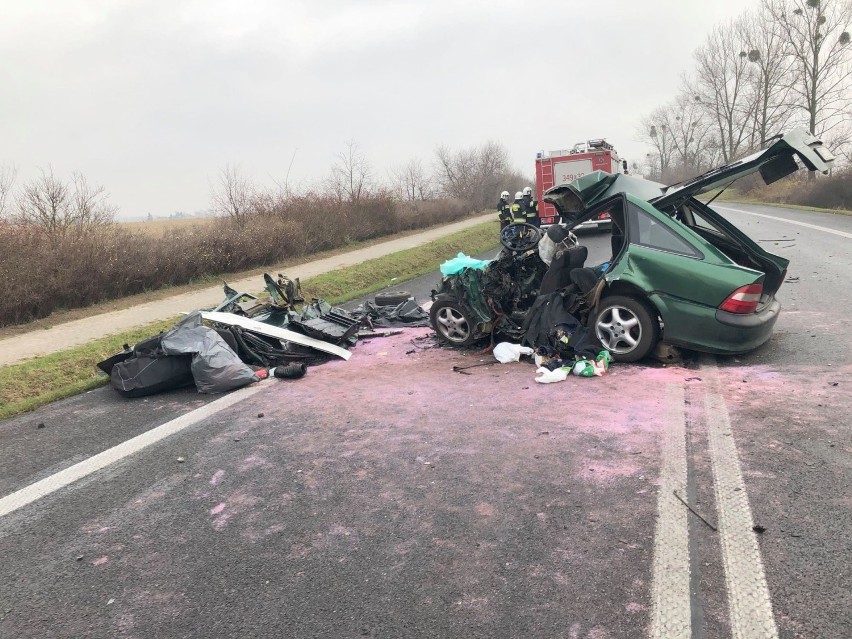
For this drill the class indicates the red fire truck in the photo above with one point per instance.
(559, 167)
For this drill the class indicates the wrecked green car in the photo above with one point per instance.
(679, 272)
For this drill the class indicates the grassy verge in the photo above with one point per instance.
(28, 385)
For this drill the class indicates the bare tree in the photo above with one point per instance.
(234, 194)
(8, 174)
(351, 174)
(768, 52)
(720, 84)
(475, 174)
(817, 32)
(655, 130)
(691, 134)
(411, 181)
(90, 205)
(61, 208)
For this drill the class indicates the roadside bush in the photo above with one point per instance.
(826, 191)
(39, 274)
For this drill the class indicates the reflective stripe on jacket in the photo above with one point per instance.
(519, 213)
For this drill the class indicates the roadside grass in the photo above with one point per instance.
(39, 381)
(42, 380)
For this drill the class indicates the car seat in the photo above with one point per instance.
(564, 262)
(584, 279)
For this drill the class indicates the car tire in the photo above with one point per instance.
(627, 327)
(452, 323)
(392, 298)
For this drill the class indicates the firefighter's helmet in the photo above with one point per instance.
(504, 195)
(527, 190)
(519, 196)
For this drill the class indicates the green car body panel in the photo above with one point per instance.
(688, 286)
(686, 290)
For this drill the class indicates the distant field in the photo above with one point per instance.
(158, 228)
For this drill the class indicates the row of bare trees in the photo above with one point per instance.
(475, 176)
(786, 63)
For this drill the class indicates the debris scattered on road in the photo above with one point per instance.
(758, 529)
(386, 313)
(294, 370)
(463, 369)
(695, 512)
(41, 424)
(180, 460)
(259, 415)
(506, 352)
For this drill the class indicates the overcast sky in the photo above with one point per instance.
(152, 98)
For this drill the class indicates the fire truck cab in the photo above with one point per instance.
(566, 165)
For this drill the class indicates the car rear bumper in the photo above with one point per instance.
(710, 330)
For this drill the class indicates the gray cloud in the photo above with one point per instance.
(151, 98)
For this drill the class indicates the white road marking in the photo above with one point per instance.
(749, 604)
(44, 487)
(670, 615)
(782, 219)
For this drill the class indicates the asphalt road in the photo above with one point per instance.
(388, 496)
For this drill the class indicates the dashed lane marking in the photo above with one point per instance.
(48, 485)
(784, 219)
(749, 605)
(671, 613)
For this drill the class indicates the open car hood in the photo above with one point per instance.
(775, 162)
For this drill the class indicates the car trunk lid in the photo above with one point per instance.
(774, 162)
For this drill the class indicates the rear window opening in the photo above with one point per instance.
(691, 216)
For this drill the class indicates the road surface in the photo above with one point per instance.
(389, 496)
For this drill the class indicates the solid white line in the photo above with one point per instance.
(782, 219)
(749, 605)
(39, 489)
(670, 614)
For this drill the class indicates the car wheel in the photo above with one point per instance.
(626, 327)
(392, 298)
(452, 323)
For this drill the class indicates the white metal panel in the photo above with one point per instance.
(274, 331)
(569, 170)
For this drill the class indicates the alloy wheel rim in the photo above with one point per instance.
(618, 329)
(452, 324)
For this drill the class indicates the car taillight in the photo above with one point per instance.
(744, 300)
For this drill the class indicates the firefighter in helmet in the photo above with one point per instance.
(519, 211)
(531, 208)
(504, 212)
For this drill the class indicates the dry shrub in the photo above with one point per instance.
(825, 191)
(39, 276)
